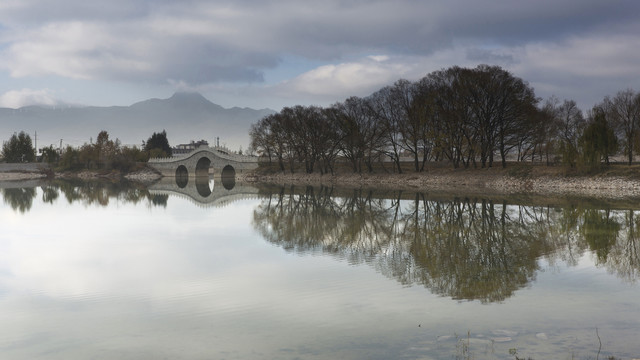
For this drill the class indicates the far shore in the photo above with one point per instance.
(617, 181)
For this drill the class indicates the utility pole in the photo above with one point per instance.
(36, 143)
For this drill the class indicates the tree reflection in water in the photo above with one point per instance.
(20, 199)
(468, 248)
(87, 192)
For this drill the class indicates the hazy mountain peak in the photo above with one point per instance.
(192, 100)
(188, 96)
(185, 116)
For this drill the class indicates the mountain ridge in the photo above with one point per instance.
(185, 116)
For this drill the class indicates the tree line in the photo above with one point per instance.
(468, 117)
(103, 154)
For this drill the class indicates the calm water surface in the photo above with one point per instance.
(206, 271)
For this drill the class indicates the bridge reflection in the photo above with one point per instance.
(203, 190)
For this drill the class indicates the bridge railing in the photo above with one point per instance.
(225, 152)
(161, 160)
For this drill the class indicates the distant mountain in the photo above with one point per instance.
(185, 117)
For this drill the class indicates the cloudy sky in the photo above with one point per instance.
(270, 53)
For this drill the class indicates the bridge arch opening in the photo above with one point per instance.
(228, 177)
(202, 167)
(182, 176)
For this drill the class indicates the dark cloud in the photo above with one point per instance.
(34, 12)
(512, 24)
(196, 42)
(489, 56)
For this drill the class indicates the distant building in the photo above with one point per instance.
(187, 148)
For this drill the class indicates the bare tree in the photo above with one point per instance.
(301, 133)
(570, 123)
(388, 117)
(545, 130)
(453, 131)
(261, 139)
(361, 138)
(278, 138)
(413, 103)
(329, 139)
(624, 112)
(501, 104)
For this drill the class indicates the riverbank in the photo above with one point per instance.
(23, 171)
(34, 171)
(616, 181)
(619, 181)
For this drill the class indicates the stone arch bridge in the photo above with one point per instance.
(199, 162)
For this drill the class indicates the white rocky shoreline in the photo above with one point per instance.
(143, 176)
(471, 181)
(18, 176)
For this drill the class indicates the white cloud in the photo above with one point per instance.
(327, 84)
(360, 77)
(15, 99)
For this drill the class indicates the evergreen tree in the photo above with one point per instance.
(19, 148)
(158, 141)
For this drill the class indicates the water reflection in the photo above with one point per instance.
(20, 199)
(203, 186)
(229, 181)
(50, 194)
(88, 192)
(210, 277)
(468, 248)
(203, 183)
(182, 181)
(228, 177)
(201, 190)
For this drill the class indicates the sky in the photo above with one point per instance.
(271, 54)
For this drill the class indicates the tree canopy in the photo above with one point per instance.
(457, 114)
(158, 142)
(19, 148)
(598, 140)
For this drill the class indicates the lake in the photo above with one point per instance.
(205, 270)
